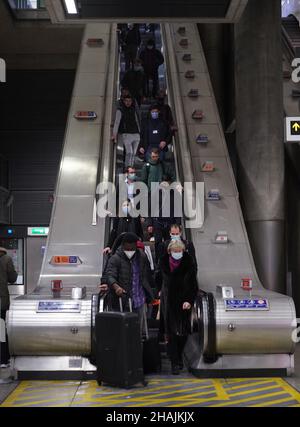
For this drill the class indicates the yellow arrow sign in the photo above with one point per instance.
(296, 127)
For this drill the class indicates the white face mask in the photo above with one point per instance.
(177, 255)
(129, 254)
(175, 237)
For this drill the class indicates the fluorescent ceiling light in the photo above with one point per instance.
(71, 7)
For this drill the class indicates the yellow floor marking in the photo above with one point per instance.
(236, 387)
(273, 402)
(289, 389)
(38, 402)
(249, 399)
(247, 392)
(249, 380)
(15, 394)
(152, 398)
(21, 392)
(136, 392)
(220, 390)
(27, 392)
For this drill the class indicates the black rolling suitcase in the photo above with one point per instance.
(119, 349)
(151, 351)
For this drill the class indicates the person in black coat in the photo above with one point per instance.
(128, 274)
(124, 224)
(178, 293)
(151, 59)
(131, 42)
(8, 275)
(134, 80)
(155, 133)
(175, 233)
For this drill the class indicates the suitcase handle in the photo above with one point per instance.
(121, 304)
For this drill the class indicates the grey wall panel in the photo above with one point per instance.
(31, 174)
(31, 207)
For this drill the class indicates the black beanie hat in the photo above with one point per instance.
(130, 238)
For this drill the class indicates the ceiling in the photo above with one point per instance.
(223, 11)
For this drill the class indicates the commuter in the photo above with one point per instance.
(178, 293)
(128, 274)
(128, 126)
(134, 80)
(131, 42)
(8, 275)
(155, 134)
(151, 59)
(130, 180)
(165, 110)
(176, 235)
(156, 171)
(163, 216)
(124, 224)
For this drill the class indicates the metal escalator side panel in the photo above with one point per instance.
(71, 229)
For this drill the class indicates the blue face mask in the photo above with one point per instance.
(132, 176)
(155, 115)
(175, 237)
(177, 255)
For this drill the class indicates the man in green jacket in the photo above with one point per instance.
(8, 274)
(156, 170)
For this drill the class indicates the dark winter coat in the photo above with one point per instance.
(178, 287)
(119, 270)
(134, 81)
(151, 60)
(189, 247)
(125, 225)
(154, 132)
(8, 274)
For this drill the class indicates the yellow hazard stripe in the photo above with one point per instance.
(249, 399)
(273, 402)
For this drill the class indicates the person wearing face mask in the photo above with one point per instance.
(175, 234)
(131, 40)
(155, 133)
(128, 275)
(151, 59)
(134, 80)
(123, 224)
(178, 293)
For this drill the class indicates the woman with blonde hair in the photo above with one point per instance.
(178, 293)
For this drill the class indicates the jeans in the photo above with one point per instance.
(131, 142)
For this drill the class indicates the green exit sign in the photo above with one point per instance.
(38, 231)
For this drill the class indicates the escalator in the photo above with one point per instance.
(53, 336)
